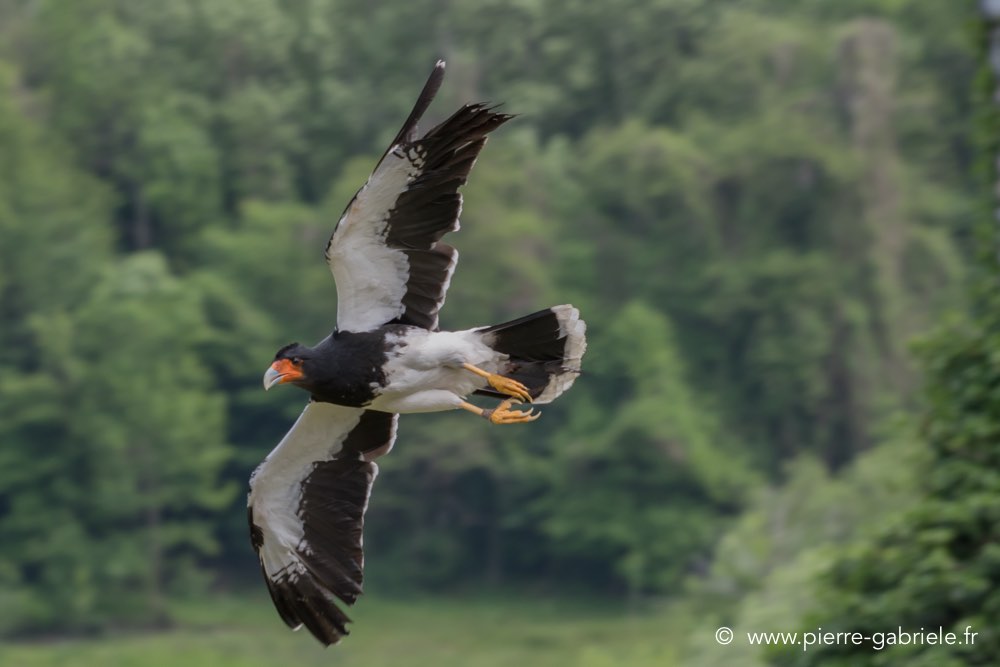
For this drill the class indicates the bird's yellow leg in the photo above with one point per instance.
(502, 414)
(504, 385)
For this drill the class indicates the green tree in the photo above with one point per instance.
(638, 487)
(768, 565)
(937, 565)
(772, 196)
(108, 520)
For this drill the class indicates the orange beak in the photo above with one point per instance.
(280, 372)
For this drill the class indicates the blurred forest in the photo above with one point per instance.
(758, 205)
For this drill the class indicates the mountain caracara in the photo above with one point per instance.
(386, 356)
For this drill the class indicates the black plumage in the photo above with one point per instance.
(536, 348)
(308, 498)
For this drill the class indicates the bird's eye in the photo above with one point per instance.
(297, 361)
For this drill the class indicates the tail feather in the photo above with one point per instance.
(544, 350)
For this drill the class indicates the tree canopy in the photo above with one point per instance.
(755, 205)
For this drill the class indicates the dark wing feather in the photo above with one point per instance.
(306, 512)
(408, 132)
(385, 252)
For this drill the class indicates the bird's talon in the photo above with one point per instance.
(502, 414)
(509, 386)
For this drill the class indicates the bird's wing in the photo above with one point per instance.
(306, 511)
(385, 252)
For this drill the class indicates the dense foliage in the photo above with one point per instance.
(936, 564)
(755, 205)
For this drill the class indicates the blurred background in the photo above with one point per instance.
(775, 216)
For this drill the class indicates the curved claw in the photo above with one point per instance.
(502, 414)
(516, 417)
(509, 386)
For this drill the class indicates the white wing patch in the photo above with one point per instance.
(386, 253)
(306, 513)
(276, 485)
(371, 277)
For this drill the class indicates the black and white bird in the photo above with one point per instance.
(386, 356)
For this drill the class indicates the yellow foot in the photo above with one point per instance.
(509, 386)
(504, 385)
(502, 414)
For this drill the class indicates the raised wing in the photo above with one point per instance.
(306, 511)
(385, 252)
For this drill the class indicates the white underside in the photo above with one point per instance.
(370, 276)
(425, 374)
(276, 486)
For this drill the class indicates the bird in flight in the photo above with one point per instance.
(387, 356)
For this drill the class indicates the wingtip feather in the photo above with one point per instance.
(427, 95)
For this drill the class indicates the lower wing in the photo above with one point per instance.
(306, 511)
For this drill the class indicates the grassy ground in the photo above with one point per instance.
(439, 632)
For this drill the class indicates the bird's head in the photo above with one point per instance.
(289, 365)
